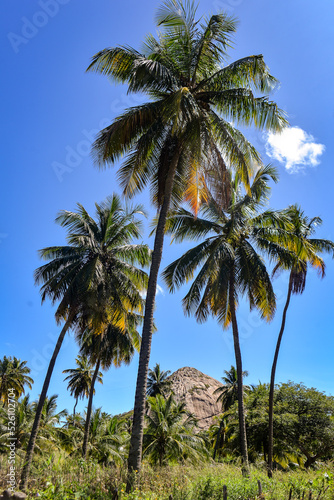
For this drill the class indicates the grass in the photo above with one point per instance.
(71, 479)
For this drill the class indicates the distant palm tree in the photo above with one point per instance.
(169, 435)
(80, 379)
(157, 381)
(184, 133)
(108, 438)
(228, 393)
(50, 421)
(231, 265)
(302, 252)
(218, 431)
(99, 260)
(14, 375)
(20, 431)
(227, 396)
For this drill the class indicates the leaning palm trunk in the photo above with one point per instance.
(136, 443)
(272, 383)
(76, 402)
(241, 410)
(35, 427)
(89, 409)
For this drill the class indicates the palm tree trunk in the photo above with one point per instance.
(272, 383)
(241, 410)
(76, 402)
(136, 443)
(35, 427)
(89, 409)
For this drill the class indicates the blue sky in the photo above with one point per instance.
(51, 111)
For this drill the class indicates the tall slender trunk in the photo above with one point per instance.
(272, 383)
(89, 409)
(241, 410)
(76, 402)
(136, 443)
(35, 427)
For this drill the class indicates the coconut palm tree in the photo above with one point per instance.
(228, 393)
(19, 429)
(108, 437)
(100, 259)
(51, 418)
(80, 379)
(114, 346)
(227, 396)
(157, 381)
(169, 436)
(231, 266)
(218, 432)
(302, 252)
(14, 374)
(184, 133)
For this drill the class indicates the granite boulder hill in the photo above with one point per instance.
(196, 389)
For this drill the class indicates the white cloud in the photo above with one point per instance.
(294, 147)
(160, 291)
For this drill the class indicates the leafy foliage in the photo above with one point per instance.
(195, 95)
(80, 378)
(169, 436)
(14, 375)
(157, 382)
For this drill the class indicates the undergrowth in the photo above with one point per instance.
(68, 479)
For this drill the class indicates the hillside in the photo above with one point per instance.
(196, 390)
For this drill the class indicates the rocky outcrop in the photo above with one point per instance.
(17, 495)
(196, 389)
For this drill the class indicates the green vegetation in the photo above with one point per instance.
(80, 379)
(14, 374)
(72, 479)
(208, 183)
(176, 454)
(157, 381)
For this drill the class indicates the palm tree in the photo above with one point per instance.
(108, 437)
(228, 393)
(169, 435)
(157, 381)
(98, 260)
(177, 140)
(114, 346)
(50, 422)
(14, 374)
(231, 266)
(218, 433)
(227, 396)
(21, 428)
(301, 253)
(80, 379)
